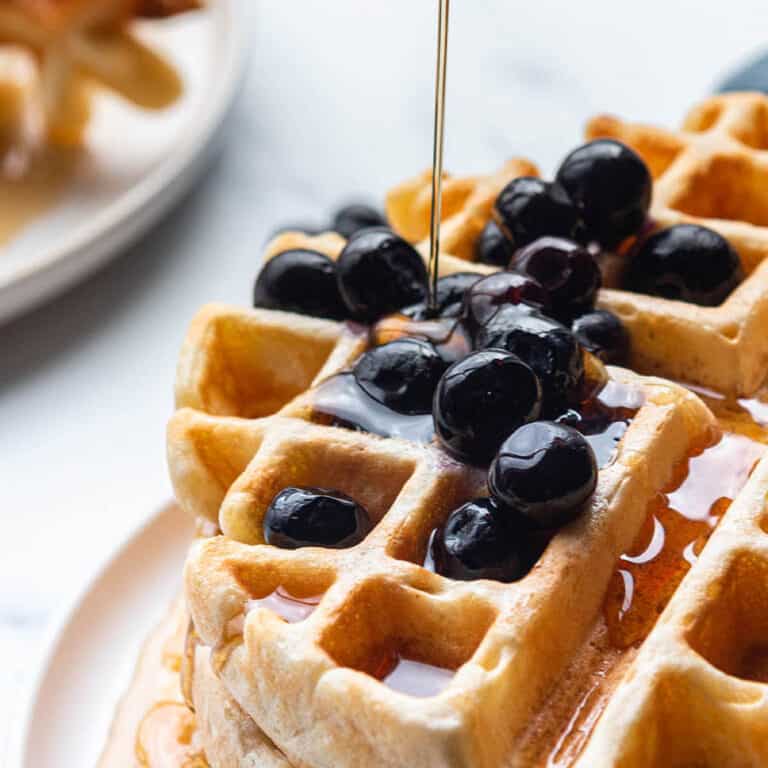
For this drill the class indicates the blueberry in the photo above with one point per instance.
(493, 247)
(352, 218)
(548, 347)
(479, 541)
(610, 186)
(451, 290)
(300, 281)
(530, 208)
(566, 270)
(315, 517)
(492, 293)
(378, 273)
(481, 400)
(685, 262)
(544, 471)
(604, 335)
(402, 374)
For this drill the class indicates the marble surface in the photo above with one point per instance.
(337, 105)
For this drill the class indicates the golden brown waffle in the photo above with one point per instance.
(79, 43)
(466, 207)
(241, 434)
(713, 172)
(697, 693)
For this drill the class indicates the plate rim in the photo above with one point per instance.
(126, 219)
(50, 643)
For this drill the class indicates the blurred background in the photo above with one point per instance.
(336, 107)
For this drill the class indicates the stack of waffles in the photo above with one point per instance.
(75, 45)
(634, 641)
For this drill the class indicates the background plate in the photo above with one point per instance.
(136, 166)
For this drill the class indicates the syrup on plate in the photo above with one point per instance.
(167, 736)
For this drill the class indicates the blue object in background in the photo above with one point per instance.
(751, 77)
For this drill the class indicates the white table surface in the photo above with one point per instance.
(337, 106)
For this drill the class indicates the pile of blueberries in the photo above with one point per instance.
(509, 403)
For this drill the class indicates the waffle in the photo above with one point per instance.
(697, 693)
(78, 43)
(713, 172)
(466, 207)
(245, 391)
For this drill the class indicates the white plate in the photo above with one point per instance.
(137, 163)
(93, 651)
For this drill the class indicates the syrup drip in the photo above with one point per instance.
(579, 727)
(449, 335)
(745, 416)
(340, 402)
(289, 607)
(414, 678)
(604, 418)
(187, 665)
(438, 144)
(678, 525)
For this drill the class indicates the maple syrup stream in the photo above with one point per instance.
(438, 144)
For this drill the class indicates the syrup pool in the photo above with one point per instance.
(414, 678)
(678, 525)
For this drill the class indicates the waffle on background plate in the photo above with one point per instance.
(74, 46)
(292, 656)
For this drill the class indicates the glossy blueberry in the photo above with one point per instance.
(610, 186)
(402, 374)
(530, 208)
(379, 273)
(479, 541)
(352, 218)
(548, 347)
(315, 517)
(544, 471)
(502, 289)
(482, 399)
(300, 281)
(685, 262)
(493, 246)
(603, 334)
(451, 290)
(566, 270)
